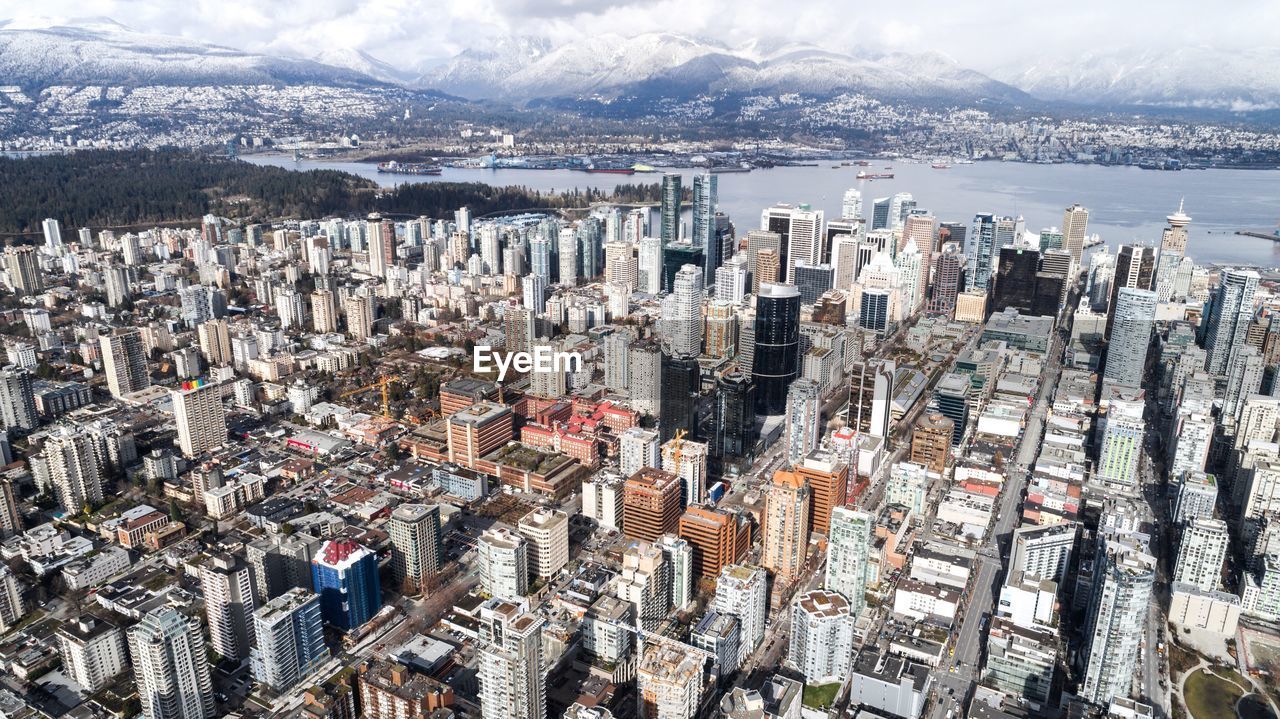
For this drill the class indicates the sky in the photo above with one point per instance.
(985, 35)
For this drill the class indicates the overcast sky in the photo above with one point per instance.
(982, 34)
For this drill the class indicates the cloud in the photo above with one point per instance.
(985, 35)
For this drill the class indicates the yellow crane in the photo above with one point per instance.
(677, 451)
(383, 383)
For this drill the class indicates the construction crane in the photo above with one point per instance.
(383, 383)
(677, 450)
(645, 635)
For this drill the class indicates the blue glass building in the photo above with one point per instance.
(345, 575)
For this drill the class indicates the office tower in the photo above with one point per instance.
(900, 207)
(17, 400)
(828, 480)
(227, 586)
(170, 666)
(742, 592)
(768, 270)
(92, 650)
(1201, 551)
(947, 273)
(546, 532)
(477, 431)
(704, 223)
(359, 311)
(281, 562)
(74, 468)
(931, 441)
(124, 361)
(1123, 579)
(512, 684)
(417, 548)
(345, 575)
(649, 265)
(504, 563)
(669, 681)
(24, 270)
(290, 640)
(713, 535)
(678, 569)
(848, 555)
(1051, 239)
(821, 637)
(1135, 267)
(687, 460)
(775, 363)
(721, 337)
(720, 636)
(200, 417)
(675, 256)
(215, 342)
(1227, 317)
(951, 397)
(1197, 497)
(813, 281)
(535, 293)
(851, 205)
(644, 361)
(880, 213)
(802, 237)
(731, 279)
(1130, 336)
(1075, 225)
(922, 228)
(759, 241)
(1015, 280)
(845, 260)
(671, 208)
(804, 420)
(786, 527)
(638, 448)
(621, 264)
(682, 313)
(735, 416)
(651, 504)
(681, 384)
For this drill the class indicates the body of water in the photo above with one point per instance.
(1125, 204)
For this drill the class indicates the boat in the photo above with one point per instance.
(611, 170)
(863, 163)
(409, 168)
(875, 175)
(941, 166)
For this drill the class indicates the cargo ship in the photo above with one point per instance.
(875, 175)
(611, 170)
(409, 168)
(941, 166)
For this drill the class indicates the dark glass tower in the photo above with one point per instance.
(675, 256)
(671, 201)
(735, 415)
(681, 380)
(777, 345)
(1015, 281)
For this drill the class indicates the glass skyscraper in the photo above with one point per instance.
(345, 575)
(777, 344)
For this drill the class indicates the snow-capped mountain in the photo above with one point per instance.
(351, 58)
(98, 51)
(1179, 76)
(668, 64)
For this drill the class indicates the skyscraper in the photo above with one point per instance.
(1135, 267)
(704, 223)
(289, 639)
(345, 575)
(504, 563)
(681, 384)
(848, 555)
(742, 591)
(982, 251)
(1075, 225)
(1201, 551)
(124, 362)
(417, 550)
(24, 269)
(682, 324)
(948, 268)
(671, 207)
(200, 417)
(546, 532)
(785, 527)
(735, 416)
(804, 421)
(227, 586)
(1123, 579)
(821, 637)
(73, 466)
(512, 684)
(1130, 336)
(776, 360)
(1014, 284)
(1227, 317)
(170, 667)
(17, 400)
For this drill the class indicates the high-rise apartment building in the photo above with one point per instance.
(200, 417)
(417, 547)
(93, 651)
(510, 671)
(849, 555)
(227, 585)
(345, 575)
(73, 466)
(803, 420)
(17, 399)
(786, 527)
(289, 643)
(1134, 319)
(821, 637)
(124, 361)
(742, 591)
(1201, 552)
(669, 682)
(651, 504)
(504, 563)
(931, 441)
(1122, 584)
(170, 666)
(547, 534)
